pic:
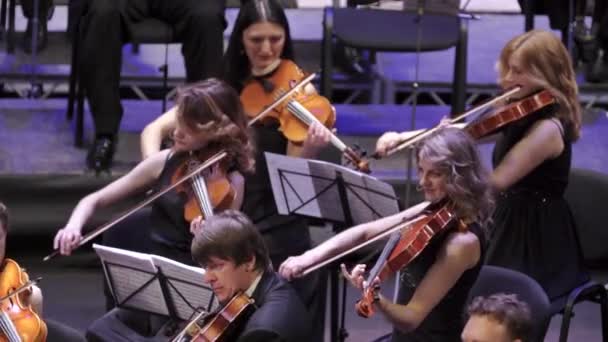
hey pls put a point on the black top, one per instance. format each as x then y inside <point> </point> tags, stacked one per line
<point>284,235</point>
<point>279,316</point>
<point>550,177</point>
<point>169,231</point>
<point>445,321</point>
<point>533,231</point>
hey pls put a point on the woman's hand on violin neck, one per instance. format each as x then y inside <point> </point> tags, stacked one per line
<point>317,138</point>
<point>67,239</point>
<point>387,141</point>
<point>355,276</point>
<point>196,225</point>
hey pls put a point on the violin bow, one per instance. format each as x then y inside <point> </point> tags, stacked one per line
<point>282,98</point>
<point>380,236</point>
<point>98,231</point>
<point>416,138</point>
<point>21,289</point>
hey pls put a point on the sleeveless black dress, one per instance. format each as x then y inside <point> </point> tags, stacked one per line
<point>445,322</point>
<point>533,230</point>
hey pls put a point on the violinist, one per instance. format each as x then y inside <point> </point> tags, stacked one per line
<point>236,259</point>
<point>31,299</point>
<point>209,119</point>
<point>260,43</point>
<point>533,231</point>
<point>434,286</point>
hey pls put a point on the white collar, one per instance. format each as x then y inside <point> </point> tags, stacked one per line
<point>253,285</point>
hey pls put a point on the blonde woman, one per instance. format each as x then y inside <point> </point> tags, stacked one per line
<point>435,285</point>
<point>532,229</point>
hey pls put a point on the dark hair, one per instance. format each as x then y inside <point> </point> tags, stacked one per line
<point>505,309</point>
<point>213,100</point>
<point>230,235</point>
<point>3,217</point>
<point>236,62</point>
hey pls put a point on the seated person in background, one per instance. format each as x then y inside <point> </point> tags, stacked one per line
<point>498,318</point>
<point>56,332</point>
<point>198,25</point>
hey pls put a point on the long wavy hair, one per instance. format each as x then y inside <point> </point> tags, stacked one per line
<point>236,64</point>
<point>454,154</point>
<point>546,61</point>
<point>213,100</point>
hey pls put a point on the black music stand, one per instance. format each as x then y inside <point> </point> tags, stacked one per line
<point>334,194</point>
<point>152,284</point>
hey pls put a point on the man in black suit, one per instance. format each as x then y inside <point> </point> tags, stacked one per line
<point>236,261</point>
<point>235,258</point>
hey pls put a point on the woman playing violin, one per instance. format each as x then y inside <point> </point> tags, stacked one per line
<point>435,285</point>
<point>259,44</point>
<point>209,119</point>
<point>532,228</point>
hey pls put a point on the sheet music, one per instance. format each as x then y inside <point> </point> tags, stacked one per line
<point>295,181</point>
<point>188,281</point>
<point>129,271</point>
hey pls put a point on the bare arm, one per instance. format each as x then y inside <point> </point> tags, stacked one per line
<point>460,252</point>
<point>543,141</point>
<point>294,266</point>
<point>154,133</point>
<point>144,174</point>
<point>238,183</point>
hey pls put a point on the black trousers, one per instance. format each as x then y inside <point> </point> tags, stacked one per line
<point>43,8</point>
<point>198,24</point>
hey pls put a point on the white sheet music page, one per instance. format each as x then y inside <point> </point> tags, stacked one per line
<point>186,287</point>
<point>129,271</point>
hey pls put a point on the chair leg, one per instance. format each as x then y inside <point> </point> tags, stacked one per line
<point>79,129</point>
<point>165,70</point>
<point>74,72</point>
<point>10,36</point>
<point>3,18</point>
<point>604,314</point>
<point>326,54</point>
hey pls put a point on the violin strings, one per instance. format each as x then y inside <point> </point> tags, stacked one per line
<point>8,328</point>
<point>202,195</point>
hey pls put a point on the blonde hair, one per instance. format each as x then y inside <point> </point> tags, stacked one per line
<point>454,153</point>
<point>547,63</point>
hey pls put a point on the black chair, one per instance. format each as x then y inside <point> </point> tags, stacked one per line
<point>147,31</point>
<point>587,195</point>
<point>379,30</point>
<point>493,279</point>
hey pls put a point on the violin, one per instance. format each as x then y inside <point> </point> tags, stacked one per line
<point>221,325</point>
<point>203,195</point>
<point>489,124</point>
<point>292,108</point>
<point>402,248</point>
<point>427,132</point>
<point>18,322</point>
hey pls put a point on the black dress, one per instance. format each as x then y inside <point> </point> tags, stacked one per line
<point>445,321</point>
<point>533,230</point>
<point>284,235</point>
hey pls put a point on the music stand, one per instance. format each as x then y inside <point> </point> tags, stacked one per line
<point>331,193</point>
<point>155,284</point>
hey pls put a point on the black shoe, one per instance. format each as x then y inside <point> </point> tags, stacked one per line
<point>101,154</point>
<point>41,39</point>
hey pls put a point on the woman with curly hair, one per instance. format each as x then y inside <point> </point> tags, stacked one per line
<point>210,118</point>
<point>435,285</point>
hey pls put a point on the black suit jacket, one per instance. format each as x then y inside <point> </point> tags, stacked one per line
<point>280,314</point>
